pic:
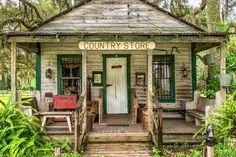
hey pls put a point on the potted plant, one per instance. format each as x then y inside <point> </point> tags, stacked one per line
<point>225,79</point>
<point>208,59</point>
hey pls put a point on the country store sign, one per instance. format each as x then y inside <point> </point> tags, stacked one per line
<point>116,45</point>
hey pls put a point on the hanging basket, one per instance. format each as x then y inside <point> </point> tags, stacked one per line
<point>225,79</point>
<point>208,59</point>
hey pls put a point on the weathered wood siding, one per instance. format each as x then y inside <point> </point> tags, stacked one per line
<point>117,16</point>
<point>183,86</point>
<point>49,54</point>
<point>95,63</point>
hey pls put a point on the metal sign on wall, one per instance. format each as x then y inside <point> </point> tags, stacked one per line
<point>116,45</point>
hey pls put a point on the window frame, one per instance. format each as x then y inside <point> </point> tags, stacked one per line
<point>59,69</point>
<point>172,98</point>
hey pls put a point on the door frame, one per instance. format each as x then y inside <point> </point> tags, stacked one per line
<point>105,56</point>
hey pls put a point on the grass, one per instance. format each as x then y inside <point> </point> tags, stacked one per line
<point>4,99</point>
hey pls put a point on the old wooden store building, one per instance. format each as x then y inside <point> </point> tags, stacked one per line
<point>109,65</point>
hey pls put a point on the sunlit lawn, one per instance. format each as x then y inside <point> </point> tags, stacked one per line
<point>4,99</point>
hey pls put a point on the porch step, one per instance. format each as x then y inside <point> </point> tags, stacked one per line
<point>182,138</point>
<point>173,115</point>
<point>117,137</point>
<point>118,149</point>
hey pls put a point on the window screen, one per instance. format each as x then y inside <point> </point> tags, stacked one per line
<point>163,78</point>
<point>70,75</point>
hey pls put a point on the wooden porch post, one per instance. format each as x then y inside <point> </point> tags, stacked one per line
<point>149,93</point>
<point>222,62</point>
<point>84,84</point>
<point>221,96</point>
<point>13,70</point>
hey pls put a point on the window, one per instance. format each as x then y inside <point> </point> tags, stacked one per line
<point>69,75</point>
<point>164,77</point>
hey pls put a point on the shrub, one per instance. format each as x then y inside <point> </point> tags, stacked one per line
<point>224,119</point>
<point>223,150</point>
<point>19,133</point>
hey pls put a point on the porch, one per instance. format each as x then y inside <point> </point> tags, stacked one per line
<point>174,131</point>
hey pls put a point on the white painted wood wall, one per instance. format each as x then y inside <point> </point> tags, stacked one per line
<point>138,60</point>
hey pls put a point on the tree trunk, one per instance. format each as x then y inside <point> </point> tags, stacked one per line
<point>213,14</point>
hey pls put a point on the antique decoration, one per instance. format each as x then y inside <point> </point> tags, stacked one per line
<point>97,78</point>
<point>49,73</point>
<point>140,79</point>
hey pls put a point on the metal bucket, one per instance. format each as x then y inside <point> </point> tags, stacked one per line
<point>208,59</point>
<point>225,79</point>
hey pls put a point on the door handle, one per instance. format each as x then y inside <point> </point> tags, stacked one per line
<point>108,85</point>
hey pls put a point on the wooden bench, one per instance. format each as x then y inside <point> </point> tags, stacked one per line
<point>197,109</point>
<point>66,115</point>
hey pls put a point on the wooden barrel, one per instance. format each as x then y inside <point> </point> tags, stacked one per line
<point>145,119</point>
<point>90,121</point>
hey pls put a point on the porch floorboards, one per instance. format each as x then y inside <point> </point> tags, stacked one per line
<point>117,129</point>
<point>179,126</point>
<point>170,126</point>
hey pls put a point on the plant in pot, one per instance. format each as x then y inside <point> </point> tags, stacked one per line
<point>225,79</point>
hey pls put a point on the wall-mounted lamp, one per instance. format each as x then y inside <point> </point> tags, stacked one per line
<point>174,50</point>
<point>184,71</point>
<point>49,73</point>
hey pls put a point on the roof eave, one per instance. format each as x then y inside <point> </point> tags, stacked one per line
<point>115,33</point>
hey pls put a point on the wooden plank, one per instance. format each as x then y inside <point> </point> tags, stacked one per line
<point>149,87</point>
<point>222,59</point>
<point>13,70</point>
<point>78,38</point>
<point>100,10</point>
<point>29,47</point>
<point>57,152</point>
<point>117,137</point>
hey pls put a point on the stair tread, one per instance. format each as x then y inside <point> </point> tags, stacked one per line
<point>115,149</point>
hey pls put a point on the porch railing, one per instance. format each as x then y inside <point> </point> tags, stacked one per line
<point>134,106</point>
<point>100,106</point>
<point>157,120</point>
<point>80,121</point>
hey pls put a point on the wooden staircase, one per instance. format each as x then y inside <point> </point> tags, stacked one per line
<point>118,144</point>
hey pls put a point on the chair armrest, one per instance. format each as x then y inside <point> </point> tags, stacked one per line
<point>28,110</point>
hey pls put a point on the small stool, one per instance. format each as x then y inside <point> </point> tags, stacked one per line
<point>67,115</point>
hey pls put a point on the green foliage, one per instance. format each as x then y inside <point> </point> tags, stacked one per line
<point>223,150</point>
<point>224,119</point>
<point>222,27</point>
<point>184,150</point>
<point>72,154</point>
<point>19,133</point>
<point>212,83</point>
<point>180,154</point>
<point>156,152</point>
<point>195,153</point>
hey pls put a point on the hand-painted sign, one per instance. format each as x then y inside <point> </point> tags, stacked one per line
<point>116,45</point>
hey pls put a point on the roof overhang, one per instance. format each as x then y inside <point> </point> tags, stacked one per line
<point>30,40</point>
<point>203,37</point>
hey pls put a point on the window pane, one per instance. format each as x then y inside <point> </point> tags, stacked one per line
<point>162,77</point>
<point>70,76</point>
